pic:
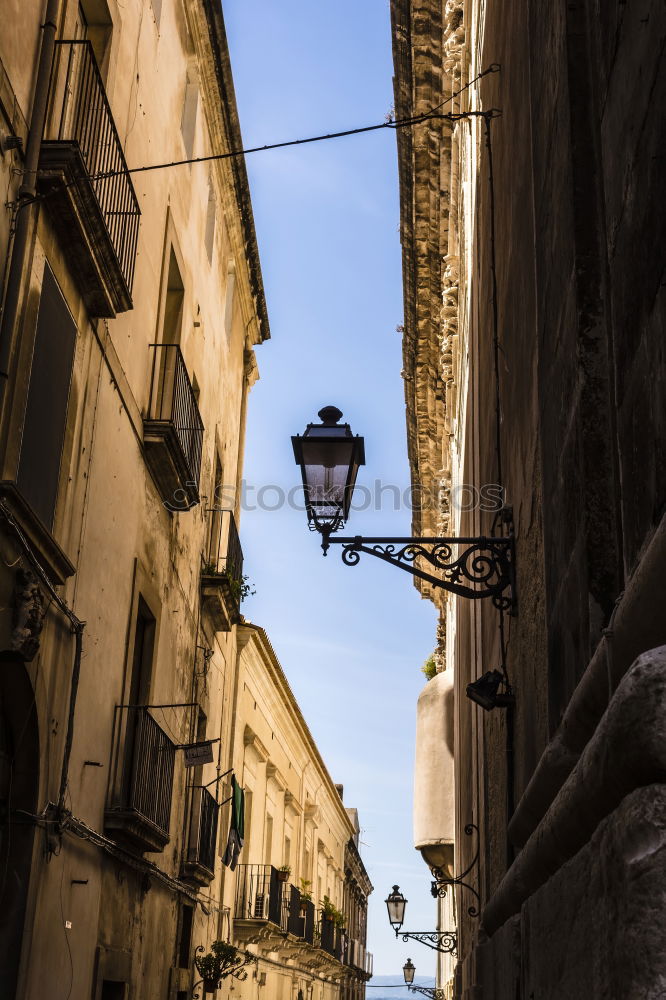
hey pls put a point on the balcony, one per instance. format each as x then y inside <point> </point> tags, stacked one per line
<point>258,896</point>
<point>222,575</point>
<point>198,866</point>
<point>83,174</point>
<point>358,958</point>
<point>173,430</point>
<point>272,913</point>
<point>141,781</point>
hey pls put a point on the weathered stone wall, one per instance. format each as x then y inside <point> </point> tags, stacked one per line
<point>579,219</point>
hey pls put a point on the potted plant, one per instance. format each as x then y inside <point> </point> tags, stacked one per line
<point>328,909</point>
<point>283,873</point>
<point>212,966</point>
<point>306,894</point>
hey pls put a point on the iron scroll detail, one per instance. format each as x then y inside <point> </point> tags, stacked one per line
<point>474,568</point>
<point>445,942</point>
<point>442,881</point>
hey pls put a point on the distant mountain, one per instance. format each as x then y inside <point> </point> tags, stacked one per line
<point>375,991</point>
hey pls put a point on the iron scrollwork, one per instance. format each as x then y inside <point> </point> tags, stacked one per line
<point>428,991</point>
<point>484,568</point>
<point>442,881</point>
<point>445,942</point>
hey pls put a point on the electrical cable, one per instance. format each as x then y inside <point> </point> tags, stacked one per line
<point>430,115</point>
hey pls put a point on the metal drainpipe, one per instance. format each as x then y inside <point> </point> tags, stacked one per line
<point>27,189</point>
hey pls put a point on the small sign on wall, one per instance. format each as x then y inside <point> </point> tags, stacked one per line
<point>198,753</point>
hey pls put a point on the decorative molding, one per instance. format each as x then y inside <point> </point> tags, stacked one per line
<point>252,741</point>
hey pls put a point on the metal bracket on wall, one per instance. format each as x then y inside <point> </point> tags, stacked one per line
<point>484,568</point>
<point>445,942</point>
<point>442,881</point>
<point>428,991</point>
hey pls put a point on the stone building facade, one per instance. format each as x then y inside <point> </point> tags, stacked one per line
<point>132,304</point>
<point>563,787</point>
<point>297,829</point>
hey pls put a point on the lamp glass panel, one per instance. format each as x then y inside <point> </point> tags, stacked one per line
<point>408,970</point>
<point>396,909</point>
<point>326,468</point>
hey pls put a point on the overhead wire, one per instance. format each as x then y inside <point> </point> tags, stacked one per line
<point>429,115</point>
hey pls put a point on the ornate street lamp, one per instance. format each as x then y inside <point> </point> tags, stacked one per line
<point>443,941</point>
<point>395,904</point>
<point>408,970</point>
<point>329,456</point>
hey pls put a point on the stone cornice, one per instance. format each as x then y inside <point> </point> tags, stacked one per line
<point>225,107</point>
<point>250,739</point>
<point>428,36</point>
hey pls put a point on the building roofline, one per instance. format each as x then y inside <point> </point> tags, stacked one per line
<point>229,110</point>
<point>264,643</point>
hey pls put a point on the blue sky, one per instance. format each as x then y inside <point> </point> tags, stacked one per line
<point>351,640</point>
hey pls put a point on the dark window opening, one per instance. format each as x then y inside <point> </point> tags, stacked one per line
<point>185,936</point>
<point>113,990</point>
<point>46,408</point>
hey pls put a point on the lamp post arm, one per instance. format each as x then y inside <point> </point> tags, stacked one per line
<point>445,942</point>
<point>428,991</point>
<point>484,567</point>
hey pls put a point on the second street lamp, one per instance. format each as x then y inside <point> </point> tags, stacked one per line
<point>408,971</point>
<point>445,942</point>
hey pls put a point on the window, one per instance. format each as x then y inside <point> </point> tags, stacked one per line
<point>216,516</point>
<point>142,660</point>
<point>247,842</point>
<point>172,320</point>
<point>210,220</point>
<point>268,839</point>
<point>184,947</point>
<point>287,851</point>
<point>46,408</point>
<point>95,24</point>
<point>113,990</point>
<point>188,122</point>
<point>139,692</point>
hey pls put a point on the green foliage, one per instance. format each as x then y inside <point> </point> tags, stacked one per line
<point>238,588</point>
<point>220,957</point>
<point>285,868</point>
<point>306,889</point>
<point>429,668</point>
<point>329,909</point>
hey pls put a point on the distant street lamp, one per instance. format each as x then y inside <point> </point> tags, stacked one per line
<point>408,970</point>
<point>445,942</point>
<point>329,456</point>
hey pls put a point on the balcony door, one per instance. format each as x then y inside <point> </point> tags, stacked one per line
<point>45,419</point>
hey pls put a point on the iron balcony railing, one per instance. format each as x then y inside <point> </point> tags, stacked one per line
<point>149,764</point>
<point>225,553</point>
<point>202,836</point>
<point>258,894</point>
<point>82,115</point>
<point>173,402</point>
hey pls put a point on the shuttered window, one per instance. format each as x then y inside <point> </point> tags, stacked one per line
<point>46,409</point>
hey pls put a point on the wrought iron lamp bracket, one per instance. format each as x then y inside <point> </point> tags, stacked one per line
<point>442,881</point>
<point>428,991</point>
<point>445,942</point>
<point>484,567</point>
